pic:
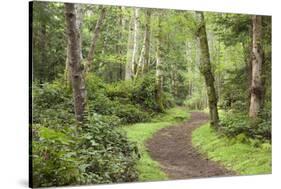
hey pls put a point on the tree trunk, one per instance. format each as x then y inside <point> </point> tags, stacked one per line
<point>146,41</point>
<point>95,37</point>
<point>74,59</point>
<point>159,74</point>
<point>79,22</point>
<point>67,71</point>
<point>140,63</point>
<point>205,69</point>
<point>247,48</point>
<point>129,66</point>
<point>143,62</point>
<point>135,46</point>
<point>257,61</point>
<point>43,58</point>
<point>120,47</point>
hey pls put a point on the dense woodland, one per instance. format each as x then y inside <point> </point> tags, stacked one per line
<point>96,68</point>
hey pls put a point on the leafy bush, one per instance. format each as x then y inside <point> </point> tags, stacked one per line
<point>103,105</point>
<point>52,101</point>
<point>95,87</point>
<point>49,95</point>
<point>52,158</point>
<point>121,91</point>
<point>233,124</point>
<point>94,153</point>
<point>66,154</point>
<point>112,156</point>
<point>144,93</point>
<point>131,114</point>
<point>169,101</point>
<point>115,99</point>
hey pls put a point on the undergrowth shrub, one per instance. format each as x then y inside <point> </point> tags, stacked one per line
<point>64,153</point>
<point>140,93</point>
<point>51,100</point>
<point>233,124</point>
<point>49,95</point>
<point>144,93</point>
<point>131,114</point>
<point>117,100</point>
<point>92,154</point>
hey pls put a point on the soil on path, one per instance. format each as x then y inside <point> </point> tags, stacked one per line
<point>172,148</point>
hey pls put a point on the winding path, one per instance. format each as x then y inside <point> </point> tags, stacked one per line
<point>172,148</point>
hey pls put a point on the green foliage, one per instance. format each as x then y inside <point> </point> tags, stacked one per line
<point>66,154</point>
<point>140,92</point>
<point>235,154</point>
<point>48,41</point>
<point>95,153</point>
<point>131,114</point>
<point>52,102</point>
<point>52,159</point>
<point>144,93</point>
<point>236,81</point>
<point>115,100</point>
<point>121,91</point>
<point>195,102</point>
<point>236,124</point>
<point>131,101</point>
<point>50,94</point>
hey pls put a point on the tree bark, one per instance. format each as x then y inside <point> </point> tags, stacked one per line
<point>120,47</point>
<point>95,37</point>
<point>159,73</point>
<point>79,22</point>
<point>135,46</point>
<point>205,69</point>
<point>43,58</point>
<point>146,41</point>
<point>247,48</point>
<point>67,71</point>
<point>129,66</point>
<point>257,61</point>
<point>142,66</point>
<point>74,59</point>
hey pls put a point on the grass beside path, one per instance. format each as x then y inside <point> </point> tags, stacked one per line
<point>241,157</point>
<point>149,170</point>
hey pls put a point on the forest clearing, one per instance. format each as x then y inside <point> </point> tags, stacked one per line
<point>127,94</point>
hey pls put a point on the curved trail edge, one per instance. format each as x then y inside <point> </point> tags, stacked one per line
<point>172,148</point>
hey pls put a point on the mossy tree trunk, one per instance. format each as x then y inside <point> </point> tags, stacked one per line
<point>132,45</point>
<point>206,70</point>
<point>146,41</point>
<point>257,62</point>
<point>74,60</point>
<point>142,66</point>
<point>159,66</point>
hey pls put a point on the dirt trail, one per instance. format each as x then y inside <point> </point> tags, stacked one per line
<point>172,148</point>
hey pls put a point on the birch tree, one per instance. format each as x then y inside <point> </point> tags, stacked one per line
<point>159,73</point>
<point>132,45</point>
<point>144,55</point>
<point>74,60</point>
<point>79,22</point>
<point>257,61</point>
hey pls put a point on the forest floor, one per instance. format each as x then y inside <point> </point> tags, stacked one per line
<point>149,169</point>
<point>172,148</point>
